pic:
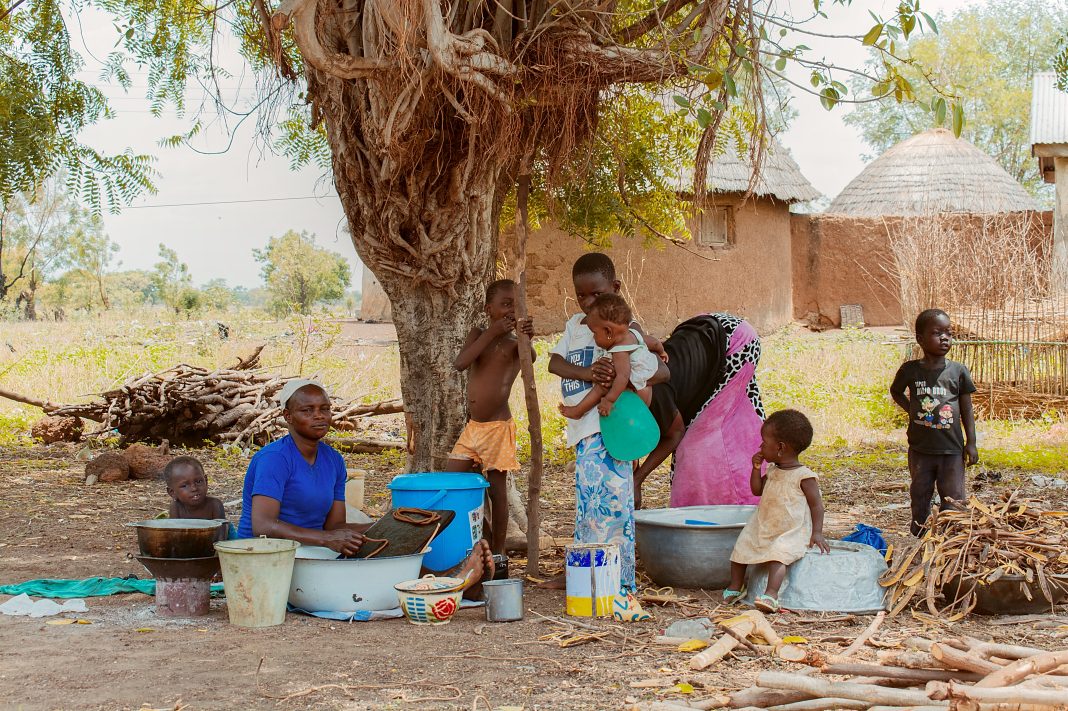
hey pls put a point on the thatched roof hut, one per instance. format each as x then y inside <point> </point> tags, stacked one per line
<point>932,172</point>
<point>780,177</point>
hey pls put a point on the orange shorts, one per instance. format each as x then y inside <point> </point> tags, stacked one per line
<point>490,445</point>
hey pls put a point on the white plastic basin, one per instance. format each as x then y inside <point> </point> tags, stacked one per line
<point>323,583</point>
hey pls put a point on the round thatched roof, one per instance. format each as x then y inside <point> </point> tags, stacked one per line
<point>932,172</point>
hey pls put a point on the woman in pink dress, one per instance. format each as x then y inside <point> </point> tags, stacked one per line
<point>709,412</point>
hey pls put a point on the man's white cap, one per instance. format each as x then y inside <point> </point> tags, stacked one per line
<point>296,384</point>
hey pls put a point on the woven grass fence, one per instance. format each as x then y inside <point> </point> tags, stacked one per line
<point>993,276</point>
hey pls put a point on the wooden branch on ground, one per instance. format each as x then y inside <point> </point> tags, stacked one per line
<point>865,635</point>
<point>843,689</point>
<point>888,672</point>
<point>27,400</point>
<point>366,446</point>
<point>1013,673</point>
<point>951,690</point>
<point>955,658</point>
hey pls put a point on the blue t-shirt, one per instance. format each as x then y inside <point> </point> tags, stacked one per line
<point>305,492</point>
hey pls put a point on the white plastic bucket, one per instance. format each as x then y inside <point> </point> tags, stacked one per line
<point>354,488</point>
<point>256,574</point>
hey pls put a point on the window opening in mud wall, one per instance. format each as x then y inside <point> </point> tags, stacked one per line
<point>714,227</point>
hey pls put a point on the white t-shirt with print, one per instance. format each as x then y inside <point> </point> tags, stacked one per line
<point>577,347</point>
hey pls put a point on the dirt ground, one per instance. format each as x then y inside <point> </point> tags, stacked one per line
<point>51,525</point>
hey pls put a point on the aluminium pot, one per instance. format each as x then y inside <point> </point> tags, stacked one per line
<point>179,537</point>
<point>689,555</point>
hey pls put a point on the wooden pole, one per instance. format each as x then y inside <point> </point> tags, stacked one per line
<point>43,404</point>
<point>526,368</point>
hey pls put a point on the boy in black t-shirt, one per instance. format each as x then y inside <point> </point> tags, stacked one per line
<point>939,402</point>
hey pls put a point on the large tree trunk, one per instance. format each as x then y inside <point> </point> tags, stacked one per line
<point>424,219</point>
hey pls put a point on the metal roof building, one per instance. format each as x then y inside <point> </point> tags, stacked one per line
<point>1049,123</point>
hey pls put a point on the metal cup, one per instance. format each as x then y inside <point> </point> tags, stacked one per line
<point>504,600</point>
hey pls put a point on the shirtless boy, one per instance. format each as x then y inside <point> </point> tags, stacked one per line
<point>487,444</point>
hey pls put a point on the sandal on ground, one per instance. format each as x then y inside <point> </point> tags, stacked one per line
<point>766,603</point>
<point>730,597</point>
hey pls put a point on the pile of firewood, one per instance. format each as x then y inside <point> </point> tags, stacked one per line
<point>948,674</point>
<point>979,545</point>
<point>190,406</point>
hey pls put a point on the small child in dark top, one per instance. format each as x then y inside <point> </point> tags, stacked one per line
<point>941,430</point>
<point>187,484</point>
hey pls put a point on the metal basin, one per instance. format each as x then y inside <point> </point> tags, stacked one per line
<point>1005,596</point>
<point>179,537</point>
<point>322,582</point>
<point>694,555</point>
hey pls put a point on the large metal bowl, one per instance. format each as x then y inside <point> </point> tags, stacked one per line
<point>694,555</point>
<point>179,537</point>
<point>1006,596</point>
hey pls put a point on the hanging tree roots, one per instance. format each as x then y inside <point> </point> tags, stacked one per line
<point>189,406</point>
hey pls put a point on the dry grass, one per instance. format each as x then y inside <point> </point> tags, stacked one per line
<point>993,277</point>
<point>839,378</point>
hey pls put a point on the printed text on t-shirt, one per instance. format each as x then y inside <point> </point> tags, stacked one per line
<point>582,357</point>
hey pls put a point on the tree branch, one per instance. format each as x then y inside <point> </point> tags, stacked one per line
<point>302,14</point>
<point>653,19</point>
<point>11,8</point>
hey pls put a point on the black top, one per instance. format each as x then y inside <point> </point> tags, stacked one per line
<point>934,405</point>
<point>697,354</point>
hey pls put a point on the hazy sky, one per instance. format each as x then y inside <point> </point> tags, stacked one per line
<point>217,240</point>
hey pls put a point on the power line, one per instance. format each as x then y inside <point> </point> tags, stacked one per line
<point>230,202</point>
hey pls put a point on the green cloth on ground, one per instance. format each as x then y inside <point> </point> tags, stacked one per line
<point>90,587</point>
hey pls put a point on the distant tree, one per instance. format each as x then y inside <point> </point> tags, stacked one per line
<point>36,234</point>
<point>298,274</point>
<point>1060,63</point>
<point>987,54</point>
<point>92,251</point>
<point>216,295</point>
<point>172,284</point>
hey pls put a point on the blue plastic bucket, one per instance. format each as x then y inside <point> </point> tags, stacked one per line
<point>461,492</point>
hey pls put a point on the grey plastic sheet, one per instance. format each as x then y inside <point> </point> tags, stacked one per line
<point>844,580</point>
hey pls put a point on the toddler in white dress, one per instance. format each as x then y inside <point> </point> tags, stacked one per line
<point>789,518</point>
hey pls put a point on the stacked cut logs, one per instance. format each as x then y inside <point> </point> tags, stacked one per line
<point>189,406</point>
<point>963,674</point>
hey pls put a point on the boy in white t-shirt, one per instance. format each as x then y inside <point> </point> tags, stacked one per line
<point>604,487</point>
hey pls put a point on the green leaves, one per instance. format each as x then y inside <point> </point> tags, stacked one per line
<point>873,35</point>
<point>300,274</point>
<point>958,119</point>
<point>939,106</point>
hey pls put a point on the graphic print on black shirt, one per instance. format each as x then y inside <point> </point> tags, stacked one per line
<point>934,405</point>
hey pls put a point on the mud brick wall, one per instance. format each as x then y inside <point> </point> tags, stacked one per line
<point>665,283</point>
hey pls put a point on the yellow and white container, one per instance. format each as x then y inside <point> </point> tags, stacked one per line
<point>592,575</point>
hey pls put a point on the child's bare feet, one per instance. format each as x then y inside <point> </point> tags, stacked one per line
<point>477,567</point>
<point>571,412</point>
<point>557,583</point>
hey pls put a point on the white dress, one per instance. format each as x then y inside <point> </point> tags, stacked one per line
<point>782,525</point>
<point>643,362</point>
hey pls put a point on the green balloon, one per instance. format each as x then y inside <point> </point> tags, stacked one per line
<point>630,432</point>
